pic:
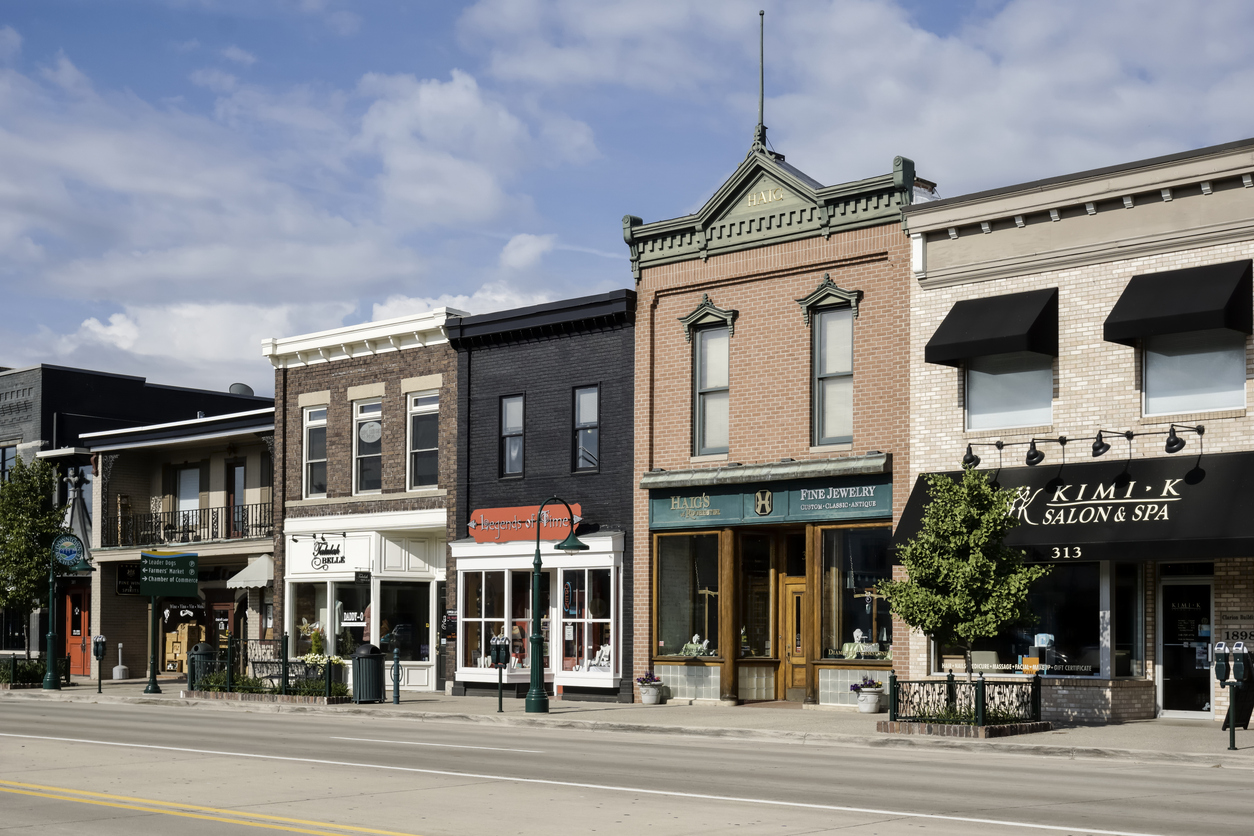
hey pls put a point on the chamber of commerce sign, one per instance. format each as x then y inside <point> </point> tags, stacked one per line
<point>808,500</point>
<point>503,525</point>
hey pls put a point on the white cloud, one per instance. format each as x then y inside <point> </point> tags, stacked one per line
<point>495,296</point>
<point>524,250</point>
<point>213,80</point>
<point>65,75</point>
<point>190,45</point>
<point>239,56</point>
<point>10,45</point>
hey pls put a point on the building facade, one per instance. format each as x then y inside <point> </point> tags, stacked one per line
<point>1087,340</point>
<point>772,455</point>
<point>365,433</point>
<point>546,400</point>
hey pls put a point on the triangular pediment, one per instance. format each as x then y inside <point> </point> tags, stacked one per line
<point>760,185</point>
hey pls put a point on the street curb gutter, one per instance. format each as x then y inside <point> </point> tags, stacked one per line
<point>714,732</point>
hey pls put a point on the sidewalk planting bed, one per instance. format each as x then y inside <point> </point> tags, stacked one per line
<point>964,730</point>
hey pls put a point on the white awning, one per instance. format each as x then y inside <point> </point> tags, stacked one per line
<point>256,574</point>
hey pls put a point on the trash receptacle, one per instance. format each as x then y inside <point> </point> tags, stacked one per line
<point>198,659</point>
<point>368,674</point>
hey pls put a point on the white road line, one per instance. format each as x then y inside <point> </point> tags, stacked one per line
<point>441,745</point>
<point>669,793</point>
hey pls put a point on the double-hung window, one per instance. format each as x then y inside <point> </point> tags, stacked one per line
<point>587,428</point>
<point>367,446</point>
<point>712,391</point>
<point>1196,371</point>
<point>424,440</point>
<point>833,376</point>
<point>8,458</point>
<point>512,417</point>
<point>316,452</point>
<point>1010,390</point>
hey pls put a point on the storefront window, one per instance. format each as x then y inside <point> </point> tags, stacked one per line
<point>405,620</point>
<point>755,596</point>
<point>1064,641</point>
<point>310,617</point>
<point>687,583</point>
<point>1129,619</point>
<point>587,600</point>
<point>520,617</point>
<point>484,605</point>
<point>856,622</point>
<point>352,616</point>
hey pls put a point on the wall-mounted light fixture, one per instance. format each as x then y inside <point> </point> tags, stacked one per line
<point>1174,444</point>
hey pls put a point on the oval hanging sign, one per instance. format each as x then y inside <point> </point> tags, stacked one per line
<point>67,549</point>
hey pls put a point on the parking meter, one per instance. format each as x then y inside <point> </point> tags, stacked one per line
<point>1240,663</point>
<point>1221,662</point>
<point>500,659</point>
<point>98,652</point>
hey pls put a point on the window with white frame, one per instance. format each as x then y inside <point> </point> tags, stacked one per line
<point>316,452</point>
<point>1197,371</point>
<point>513,410</point>
<point>833,376</point>
<point>1010,390</point>
<point>367,446</point>
<point>712,390</point>
<point>424,440</point>
<point>587,620</point>
<point>587,428</point>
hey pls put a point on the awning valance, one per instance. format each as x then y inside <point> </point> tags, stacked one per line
<point>1005,324</point>
<point>259,573</point>
<point>1177,301</point>
<point>1179,508</point>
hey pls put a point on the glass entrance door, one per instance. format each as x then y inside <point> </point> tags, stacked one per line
<point>1186,643</point>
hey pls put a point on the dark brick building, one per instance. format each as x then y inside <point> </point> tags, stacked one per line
<point>545,404</point>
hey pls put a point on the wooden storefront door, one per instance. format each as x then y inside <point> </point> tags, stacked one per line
<point>77,631</point>
<point>795,622</point>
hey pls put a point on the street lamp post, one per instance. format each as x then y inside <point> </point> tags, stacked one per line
<point>67,550</point>
<point>537,699</point>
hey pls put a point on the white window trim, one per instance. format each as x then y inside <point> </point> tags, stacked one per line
<point>816,378</point>
<point>306,425</point>
<point>575,428</point>
<point>357,405</point>
<point>698,412</point>
<point>414,409</point>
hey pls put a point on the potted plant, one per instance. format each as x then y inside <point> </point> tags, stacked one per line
<point>650,688</point>
<point>869,691</point>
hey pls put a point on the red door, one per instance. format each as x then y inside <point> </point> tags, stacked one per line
<point>77,630</point>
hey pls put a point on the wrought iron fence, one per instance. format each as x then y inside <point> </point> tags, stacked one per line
<point>951,700</point>
<point>16,671</point>
<point>261,666</point>
<point>166,527</point>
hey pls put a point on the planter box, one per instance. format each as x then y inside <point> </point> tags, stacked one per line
<point>288,699</point>
<point>4,686</point>
<point>950,730</point>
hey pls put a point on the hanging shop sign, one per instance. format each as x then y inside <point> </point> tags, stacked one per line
<point>169,573</point>
<point>1143,509</point>
<point>804,500</point>
<point>504,525</point>
<point>128,578</point>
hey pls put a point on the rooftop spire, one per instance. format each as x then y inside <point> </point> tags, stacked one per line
<point>759,133</point>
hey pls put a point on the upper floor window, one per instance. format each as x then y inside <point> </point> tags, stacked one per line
<point>712,391</point>
<point>1010,390</point>
<point>1196,371</point>
<point>833,376</point>
<point>316,452</point>
<point>8,458</point>
<point>587,428</point>
<point>424,440</point>
<point>512,409</point>
<point>367,446</point>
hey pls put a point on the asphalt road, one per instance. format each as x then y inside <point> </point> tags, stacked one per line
<point>127,770</point>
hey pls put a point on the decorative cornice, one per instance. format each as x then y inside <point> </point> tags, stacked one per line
<point>363,340</point>
<point>871,463</point>
<point>828,293</point>
<point>705,313</point>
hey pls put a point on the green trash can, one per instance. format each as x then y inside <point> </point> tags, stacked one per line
<point>199,663</point>
<point>368,674</point>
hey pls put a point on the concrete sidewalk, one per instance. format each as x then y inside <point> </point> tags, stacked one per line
<point>1195,741</point>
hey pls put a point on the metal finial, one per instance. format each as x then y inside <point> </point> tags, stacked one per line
<point>759,135</point>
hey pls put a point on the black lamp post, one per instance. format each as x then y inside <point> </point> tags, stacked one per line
<point>537,699</point>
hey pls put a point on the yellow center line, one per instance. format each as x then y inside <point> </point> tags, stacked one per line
<point>152,806</point>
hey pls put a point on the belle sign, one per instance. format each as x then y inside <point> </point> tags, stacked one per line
<point>502,525</point>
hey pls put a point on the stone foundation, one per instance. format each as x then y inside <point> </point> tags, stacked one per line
<point>1095,701</point>
<point>947,730</point>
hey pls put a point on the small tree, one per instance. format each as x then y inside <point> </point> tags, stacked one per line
<point>962,582</point>
<point>29,521</point>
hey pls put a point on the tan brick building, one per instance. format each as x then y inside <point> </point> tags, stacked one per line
<point>772,455</point>
<point>1118,302</point>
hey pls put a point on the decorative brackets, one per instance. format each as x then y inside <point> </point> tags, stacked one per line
<point>707,312</point>
<point>828,293</point>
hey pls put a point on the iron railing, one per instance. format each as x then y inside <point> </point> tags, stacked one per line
<point>15,671</point>
<point>951,700</point>
<point>168,527</point>
<point>261,666</point>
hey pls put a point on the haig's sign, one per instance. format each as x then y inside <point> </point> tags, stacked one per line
<point>803,500</point>
<point>503,525</point>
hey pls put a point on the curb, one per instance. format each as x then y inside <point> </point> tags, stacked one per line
<point>712,732</point>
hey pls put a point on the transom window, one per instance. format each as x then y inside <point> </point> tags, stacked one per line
<point>712,391</point>
<point>1196,371</point>
<point>424,440</point>
<point>833,376</point>
<point>316,452</point>
<point>512,418</point>
<point>587,428</point>
<point>367,447</point>
<point>1010,390</point>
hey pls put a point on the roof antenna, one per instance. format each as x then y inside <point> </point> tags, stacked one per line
<point>759,133</point>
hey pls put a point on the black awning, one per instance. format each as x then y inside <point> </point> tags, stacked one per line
<point>997,325</point>
<point>1179,508</point>
<point>1175,301</point>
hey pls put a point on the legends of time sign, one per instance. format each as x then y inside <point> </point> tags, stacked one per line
<point>798,501</point>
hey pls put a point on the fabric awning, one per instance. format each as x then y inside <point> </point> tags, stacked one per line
<point>259,573</point>
<point>1175,301</point>
<point>1183,507</point>
<point>1014,322</point>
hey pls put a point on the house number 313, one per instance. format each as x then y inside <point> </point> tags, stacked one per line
<point>1066,552</point>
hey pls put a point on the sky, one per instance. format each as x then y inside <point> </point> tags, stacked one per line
<point>180,179</point>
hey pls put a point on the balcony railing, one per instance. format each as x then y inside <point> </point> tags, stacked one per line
<point>176,527</point>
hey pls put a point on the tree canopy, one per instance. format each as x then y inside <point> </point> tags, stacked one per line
<point>29,521</point>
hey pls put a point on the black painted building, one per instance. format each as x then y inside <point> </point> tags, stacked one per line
<point>545,409</point>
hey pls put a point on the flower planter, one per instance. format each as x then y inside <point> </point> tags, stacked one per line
<point>651,694</point>
<point>870,701</point>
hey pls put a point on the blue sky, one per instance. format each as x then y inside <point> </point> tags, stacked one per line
<point>181,178</point>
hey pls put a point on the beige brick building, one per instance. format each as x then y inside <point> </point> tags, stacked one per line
<point>1117,301</point>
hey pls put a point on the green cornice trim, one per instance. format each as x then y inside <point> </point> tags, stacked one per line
<point>828,293</point>
<point>705,313</point>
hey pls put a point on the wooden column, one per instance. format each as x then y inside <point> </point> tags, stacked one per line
<point>728,634</point>
<point>814,589</point>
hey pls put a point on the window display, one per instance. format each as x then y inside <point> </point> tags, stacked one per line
<point>755,596</point>
<point>687,594</point>
<point>1129,619</point>
<point>587,601</point>
<point>310,613</point>
<point>483,616</point>
<point>352,617</point>
<point>856,622</point>
<point>405,620</point>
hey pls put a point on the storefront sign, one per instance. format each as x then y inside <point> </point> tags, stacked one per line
<point>169,573</point>
<point>330,554</point>
<point>503,525</point>
<point>326,555</point>
<point>807,500</point>
<point>68,550</point>
<point>1145,509</point>
<point>128,579</point>
<point>361,577</point>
